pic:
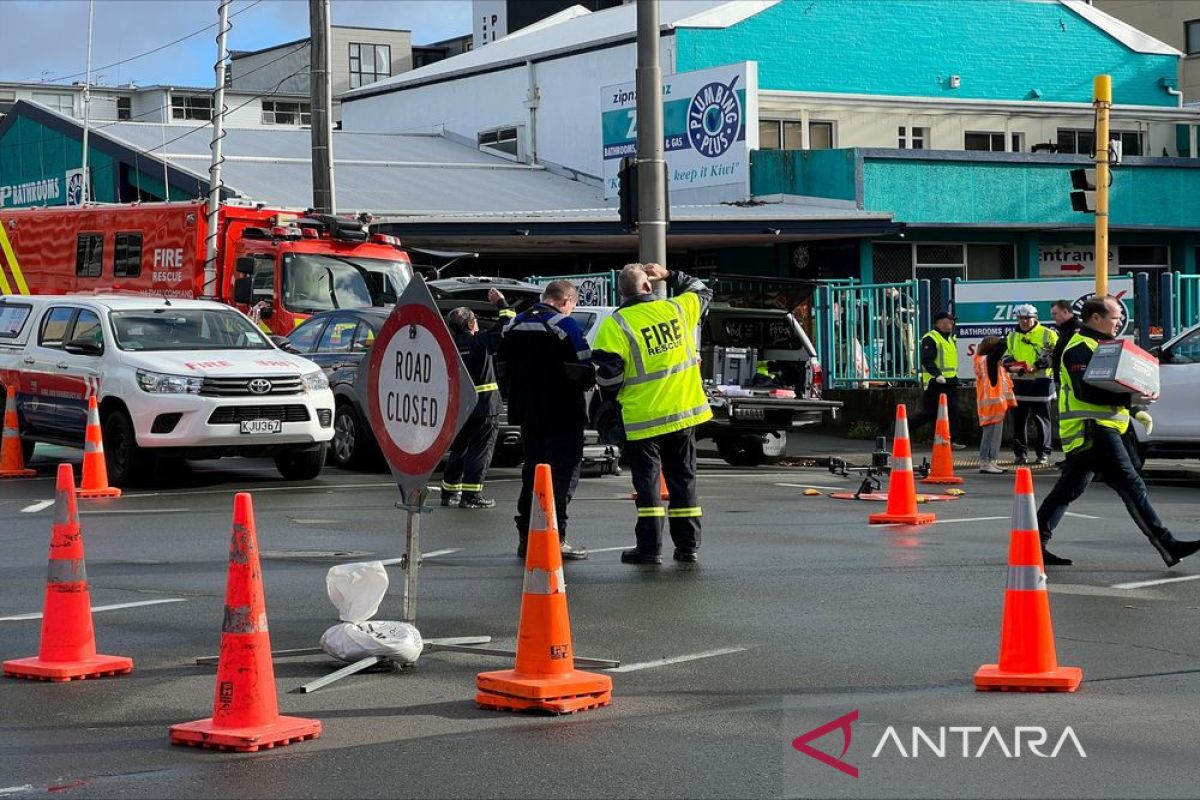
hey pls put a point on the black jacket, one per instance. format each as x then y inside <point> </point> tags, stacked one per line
<point>477,351</point>
<point>1065,331</point>
<point>548,367</point>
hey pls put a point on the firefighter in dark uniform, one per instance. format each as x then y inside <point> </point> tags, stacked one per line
<point>647,360</point>
<point>1091,424</point>
<point>548,367</point>
<point>471,452</point>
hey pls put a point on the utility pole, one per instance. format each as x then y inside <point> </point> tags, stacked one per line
<point>321,94</point>
<point>86,194</point>
<point>651,166</point>
<point>1102,100</point>
<point>209,290</point>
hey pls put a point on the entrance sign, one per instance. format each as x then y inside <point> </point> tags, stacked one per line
<point>418,391</point>
<point>988,308</point>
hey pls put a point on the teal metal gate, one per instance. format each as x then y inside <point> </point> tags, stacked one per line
<point>869,332</point>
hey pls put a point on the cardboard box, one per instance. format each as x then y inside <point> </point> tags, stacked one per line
<point>1122,366</point>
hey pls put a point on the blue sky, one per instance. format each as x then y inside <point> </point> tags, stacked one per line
<point>47,39</point>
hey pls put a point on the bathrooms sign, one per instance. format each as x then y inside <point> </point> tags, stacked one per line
<point>710,124</point>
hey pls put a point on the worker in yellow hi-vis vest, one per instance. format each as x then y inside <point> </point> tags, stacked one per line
<point>1028,359</point>
<point>647,360</point>
<point>939,375</point>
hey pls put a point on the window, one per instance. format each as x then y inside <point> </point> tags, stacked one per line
<point>56,101</point>
<point>820,135</point>
<point>89,255</point>
<point>937,261</point>
<point>369,63</point>
<point>124,108</point>
<point>304,337</point>
<point>7,100</point>
<point>87,326</point>
<point>280,112</point>
<point>768,134</point>
<point>1191,35</point>
<point>1071,140</point>
<point>55,326</point>
<point>993,142</point>
<point>263,279</point>
<point>912,138</point>
<point>338,336</point>
<point>501,140</point>
<point>12,319</point>
<point>127,255</point>
<point>364,337</point>
<point>191,106</point>
<point>1186,350</point>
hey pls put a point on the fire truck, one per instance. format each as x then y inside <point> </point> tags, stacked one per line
<point>278,266</point>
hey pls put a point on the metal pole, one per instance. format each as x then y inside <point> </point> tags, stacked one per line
<point>214,168</point>
<point>321,95</point>
<point>412,538</point>
<point>87,107</point>
<point>1102,92</point>
<point>1166,304</point>
<point>1141,305</point>
<point>652,173</point>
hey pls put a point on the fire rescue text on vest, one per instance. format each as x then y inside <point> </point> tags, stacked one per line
<point>662,336</point>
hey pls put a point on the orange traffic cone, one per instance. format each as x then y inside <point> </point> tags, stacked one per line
<point>12,462</point>
<point>1028,661</point>
<point>902,489</point>
<point>662,488</point>
<point>68,647</point>
<point>95,470</point>
<point>245,709</point>
<point>545,677</point>
<point>942,468</point>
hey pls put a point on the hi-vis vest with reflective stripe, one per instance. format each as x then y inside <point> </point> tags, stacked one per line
<point>1074,413</point>
<point>947,355</point>
<point>1029,347</point>
<point>662,391</point>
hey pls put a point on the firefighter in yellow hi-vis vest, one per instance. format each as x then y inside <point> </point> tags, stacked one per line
<point>1028,359</point>
<point>1091,422</point>
<point>647,359</point>
<point>939,375</point>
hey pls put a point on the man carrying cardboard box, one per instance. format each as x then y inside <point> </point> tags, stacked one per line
<point>1091,422</point>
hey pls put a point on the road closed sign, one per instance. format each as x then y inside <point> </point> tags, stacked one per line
<point>418,392</point>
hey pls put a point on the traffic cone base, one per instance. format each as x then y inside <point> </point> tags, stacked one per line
<point>560,705</point>
<point>900,519</point>
<point>37,669</point>
<point>92,494</point>
<point>283,731</point>
<point>943,481</point>
<point>990,678</point>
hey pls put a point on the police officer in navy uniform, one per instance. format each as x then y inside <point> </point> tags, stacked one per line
<point>471,452</point>
<point>548,367</point>
<point>939,375</point>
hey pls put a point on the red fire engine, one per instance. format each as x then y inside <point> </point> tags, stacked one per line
<point>278,266</point>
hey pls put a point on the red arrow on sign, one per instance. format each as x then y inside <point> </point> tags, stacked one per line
<point>1071,267</point>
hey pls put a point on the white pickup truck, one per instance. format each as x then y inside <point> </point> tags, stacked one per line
<point>173,378</point>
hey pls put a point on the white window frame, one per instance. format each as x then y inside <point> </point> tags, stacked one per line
<point>299,109</point>
<point>780,138</point>
<point>1013,139</point>
<point>519,132</point>
<point>360,76</point>
<point>833,130</point>
<point>185,108</point>
<point>62,102</point>
<point>907,137</point>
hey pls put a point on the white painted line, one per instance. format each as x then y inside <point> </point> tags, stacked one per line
<point>608,549</point>
<point>1082,516</point>
<point>329,488</point>
<point>14,789</point>
<point>138,604</point>
<point>433,554</point>
<point>300,521</point>
<point>939,522</point>
<point>810,486</point>
<point>36,507</point>
<point>664,662</point>
<point>90,513</point>
<point>1159,582</point>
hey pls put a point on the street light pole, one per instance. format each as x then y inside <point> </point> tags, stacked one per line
<point>651,164</point>
<point>1102,100</point>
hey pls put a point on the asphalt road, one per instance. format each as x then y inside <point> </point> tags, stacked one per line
<point>798,614</point>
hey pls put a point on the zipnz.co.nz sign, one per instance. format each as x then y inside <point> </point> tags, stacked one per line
<point>710,124</point>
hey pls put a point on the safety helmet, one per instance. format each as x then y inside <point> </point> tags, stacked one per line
<point>1026,310</point>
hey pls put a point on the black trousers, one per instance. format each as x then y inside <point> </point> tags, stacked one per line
<point>561,448</point>
<point>674,455</point>
<point>1109,458</point>
<point>929,406</point>
<point>469,456</point>
<point>1039,413</point>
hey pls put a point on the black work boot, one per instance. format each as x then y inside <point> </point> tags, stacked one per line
<point>476,501</point>
<point>635,556</point>
<point>451,498</point>
<point>1172,550</point>
<point>1051,560</point>
<point>685,555</point>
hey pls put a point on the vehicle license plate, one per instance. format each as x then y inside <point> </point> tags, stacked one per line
<point>262,425</point>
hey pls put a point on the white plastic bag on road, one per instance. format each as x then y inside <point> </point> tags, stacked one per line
<point>357,590</point>
<point>354,641</point>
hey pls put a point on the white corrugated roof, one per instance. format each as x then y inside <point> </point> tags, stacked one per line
<point>571,31</point>
<point>1136,40</point>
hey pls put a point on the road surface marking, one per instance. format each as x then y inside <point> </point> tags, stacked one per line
<point>939,522</point>
<point>38,615</point>
<point>89,512</point>
<point>14,789</point>
<point>36,507</point>
<point>609,549</point>
<point>1082,516</point>
<point>810,486</point>
<point>663,662</point>
<point>433,554</point>
<point>1159,582</point>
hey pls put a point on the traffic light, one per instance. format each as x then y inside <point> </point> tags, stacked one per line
<point>1083,184</point>
<point>627,193</point>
